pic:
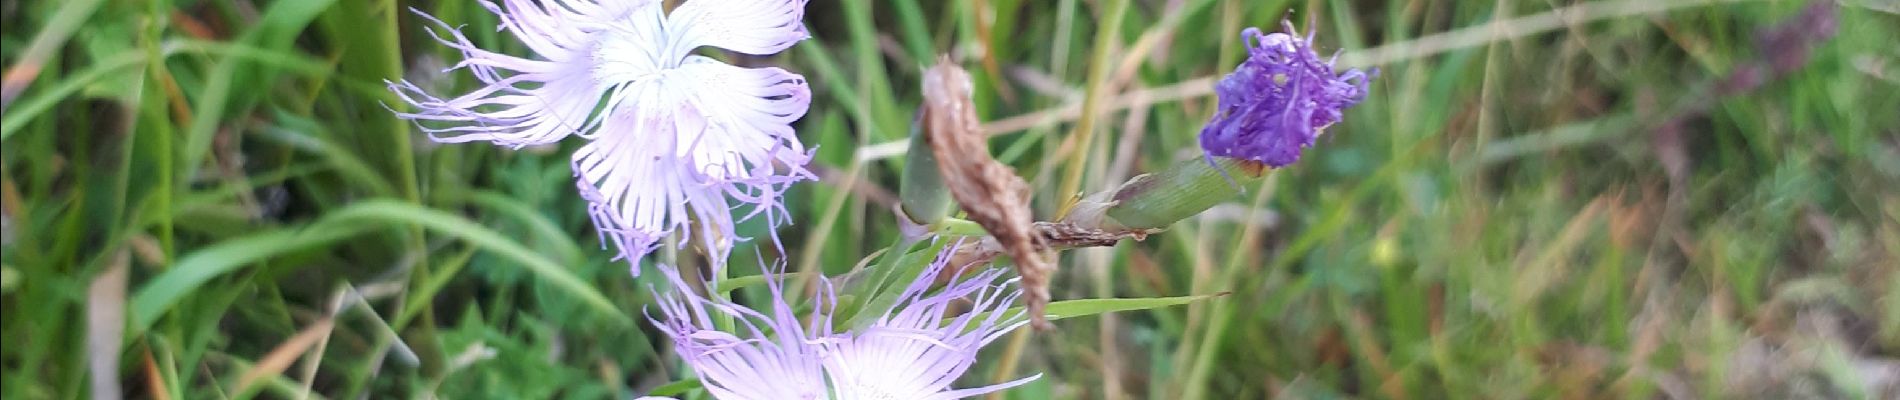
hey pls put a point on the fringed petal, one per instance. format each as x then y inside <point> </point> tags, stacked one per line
<point>525,102</point>
<point>737,131</point>
<point>747,26</point>
<point>641,185</point>
<point>676,140</point>
<point>735,367</point>
<point>916,350</point>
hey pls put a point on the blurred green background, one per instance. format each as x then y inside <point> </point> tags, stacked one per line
<point>1541,199</point>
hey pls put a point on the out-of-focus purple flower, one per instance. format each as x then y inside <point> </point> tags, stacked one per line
<point>674,138</point>
<point>914,350</point>
<point>1274,104</point>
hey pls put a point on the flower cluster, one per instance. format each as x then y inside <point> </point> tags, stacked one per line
<point>1276,102</point>
<point>676,143</point>
<point>673,138</point>
<point>914,350</point>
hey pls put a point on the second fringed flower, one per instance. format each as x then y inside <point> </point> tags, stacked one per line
<point>914,350</point>
<point>673,137</point>
<point>1274,104</point>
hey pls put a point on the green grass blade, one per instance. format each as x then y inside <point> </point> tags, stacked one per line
<point>396,212</point>
<point>194,269</point>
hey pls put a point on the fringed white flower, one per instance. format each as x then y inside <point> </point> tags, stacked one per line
<point>916,349</point>
<point>773,360</point>
<point>674,139</point>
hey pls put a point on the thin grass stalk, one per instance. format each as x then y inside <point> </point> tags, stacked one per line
<point>1222,314</point>
<point>1107,38</point>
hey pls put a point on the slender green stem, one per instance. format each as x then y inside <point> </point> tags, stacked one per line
<point>1105,39</point>
<point>1220,315</point>
<point>721,321</point>
<point>157,72</point>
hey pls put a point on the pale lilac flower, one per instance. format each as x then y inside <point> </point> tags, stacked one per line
<point>1276,102</point>
<point>914,350</point>
<point>674,139</point>
<point>775,360</point>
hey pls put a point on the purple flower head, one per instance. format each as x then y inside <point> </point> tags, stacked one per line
<point>674,139</point>
<point>1274,104</point>
<point>914,350</point>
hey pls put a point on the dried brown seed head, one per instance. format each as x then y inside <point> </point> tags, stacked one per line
<point>988,191</point>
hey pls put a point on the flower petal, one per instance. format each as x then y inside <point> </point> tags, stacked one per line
<point>913,351</point>
<point>735,367</point>
<point>638,187</point>
<point>525,102</point>
<point>675,148</point>
<point>745,112</point>
<point>559,29</point>
<point>982,390</point>
<point>747,26</point>
<point>736,130</point>
<point>1276,102</point>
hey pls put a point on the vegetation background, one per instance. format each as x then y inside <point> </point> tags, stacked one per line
<point>1541,199</point>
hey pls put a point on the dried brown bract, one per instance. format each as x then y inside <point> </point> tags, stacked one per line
<point>988,191</point>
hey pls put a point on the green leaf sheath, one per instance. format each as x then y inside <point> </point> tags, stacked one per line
<point>1187,188</point>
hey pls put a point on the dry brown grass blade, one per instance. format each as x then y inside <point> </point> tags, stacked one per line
<point>280,358</point>
<point>987,190</point>
<point>985,16</point>
<point>1549,266</point>
<point>154,382</point>
<point>105,326</point>
<point>44,47</point>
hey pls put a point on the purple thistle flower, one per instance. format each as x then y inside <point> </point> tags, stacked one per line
<point>914,350</point>
<point>673,137</point>
<point>1274,104</point>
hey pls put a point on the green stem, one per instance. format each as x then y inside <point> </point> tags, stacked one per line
<point>1187,188</point>
<point>1099,68</point>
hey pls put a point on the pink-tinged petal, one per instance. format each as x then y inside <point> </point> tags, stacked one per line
<point>913,351</point>
<point>634,50</point>
<point>525,102</point>
<point>747,26</point>
<point>677,142</point>
<point>641,185</point>
<point>747,113</point>
<point>736,129</point>
<point>981,390</point>
<point>692,144</point>
<point>627,243</point>
<point>562,26</point>
<point>916,350</point>
<point>771,360</point>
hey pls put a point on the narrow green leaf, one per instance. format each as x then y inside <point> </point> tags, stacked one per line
<point>677,388</point>
<point>442,222</point>
<point>193,270</point>
<point>731,284</point>
<point>1086,307</point>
